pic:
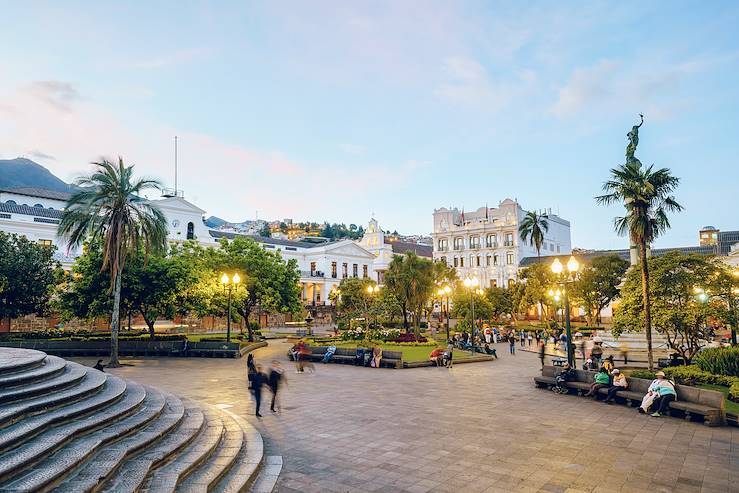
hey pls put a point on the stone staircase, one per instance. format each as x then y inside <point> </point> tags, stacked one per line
<point>69,428</point>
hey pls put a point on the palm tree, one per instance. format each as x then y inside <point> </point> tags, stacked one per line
<point>108,206</point>
<point>532,228</point>
<point>647,197</point>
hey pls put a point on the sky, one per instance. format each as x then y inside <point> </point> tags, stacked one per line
<point>335,110</point>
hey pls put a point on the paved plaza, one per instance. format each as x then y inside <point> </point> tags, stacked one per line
<point>476,428</point>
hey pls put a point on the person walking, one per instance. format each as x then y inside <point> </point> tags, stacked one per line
<point>276,377</point>
<point>251,369</point>
<point>257,381</point>
<point>512,343</point>
<point>530,338</point>
<point>522,337</point>
<point>542,347</point>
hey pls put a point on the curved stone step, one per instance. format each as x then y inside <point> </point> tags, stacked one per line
<point>101,466</point>
<point>30,426</point>
<point>166,478</point>
<point>69,377</point>
<point>92,382</point>
<point>132,473</point>
<point>247,465</point>
<point>13,360</point>
<point>220,463</point>
<point>52,366</point>
<point>14,461</point>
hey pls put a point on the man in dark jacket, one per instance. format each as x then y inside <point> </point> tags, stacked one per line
<point>276,378</point>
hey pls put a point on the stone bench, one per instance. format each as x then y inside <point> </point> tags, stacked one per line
<point>691,401</point>
<point>390,359</point>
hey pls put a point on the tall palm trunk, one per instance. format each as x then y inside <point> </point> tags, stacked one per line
<point>115,322</point>
<point>647,301</point>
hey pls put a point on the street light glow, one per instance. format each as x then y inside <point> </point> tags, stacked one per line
<point>572,264</point>
<point>224,278</point>
<point>557,266</point>
<point>236,278</point>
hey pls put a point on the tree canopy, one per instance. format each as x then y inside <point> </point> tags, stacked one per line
<point>597,285</point>
<point>27,276</point>
<point>677,309</point>
<point>411,279</point>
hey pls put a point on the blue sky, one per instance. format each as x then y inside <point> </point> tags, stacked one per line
<point>334,110</point>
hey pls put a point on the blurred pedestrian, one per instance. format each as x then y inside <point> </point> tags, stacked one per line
<point>276,378</point>
<point>512,342</point>
<point>542,347</point>
<point>99,365</point>
<point>257,381</point>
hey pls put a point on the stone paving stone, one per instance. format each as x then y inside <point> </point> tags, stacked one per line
<point>479,427</point>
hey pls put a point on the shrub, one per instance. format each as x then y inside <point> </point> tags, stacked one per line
<point>408,338</point>
<point>645,374</point>
<point>721,361</point>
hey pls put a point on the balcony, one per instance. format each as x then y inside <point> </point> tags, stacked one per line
<point>491,245</point>
<point>508,244</point>
<point>311,273</point>
<point>458,248</point>
<point>442,249</point>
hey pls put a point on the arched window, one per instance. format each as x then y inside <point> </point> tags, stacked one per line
<point>190,231</point>
<point>10,202</point>
<point>38,206</point>
<point>458,243</point>
<point>511,283</point>
<point>474,242</point>
<point>491,241</point>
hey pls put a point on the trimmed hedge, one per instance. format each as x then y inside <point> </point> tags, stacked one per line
<point>721,361</point>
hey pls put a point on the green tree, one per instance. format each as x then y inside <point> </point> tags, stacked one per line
<point>355,301</point>
<point>647,196</point>
<point>84,294</point>
<point>726,288</point>
<point>531,290</point>
<point>532,228</point>
<point>501,302</point>
<point>598,284</point>
<point>27,276</point>
<point>411,279</point>
<point>265,231</point>
<point>152,286</point>
<point>462,305</point>
<point>677,311</point>
<point>267,281</point>
<point>109,205</point>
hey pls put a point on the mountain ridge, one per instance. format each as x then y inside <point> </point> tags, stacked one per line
<point>24,173</point>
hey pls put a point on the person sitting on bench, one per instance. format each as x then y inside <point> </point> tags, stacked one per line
<point>662,392</point>
<point>490,351</point>
<point>566,375</point>
<point>619,383</point>
<point>601,380</point>
<point>437,356</point>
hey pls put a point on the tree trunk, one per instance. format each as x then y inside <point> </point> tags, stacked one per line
<point>647,302</point>
<point>149,323</point>
<point>115,322</point>
<point>405,319</point>
<point>245,313</point>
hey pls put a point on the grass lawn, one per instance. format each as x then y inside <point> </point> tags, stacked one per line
<point>411,354</point>
<point>731,407</point>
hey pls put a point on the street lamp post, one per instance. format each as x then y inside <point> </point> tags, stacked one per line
<point>564,278</point>
<point>444,292</point>
<point>472,284</point>
<point>230,283</point>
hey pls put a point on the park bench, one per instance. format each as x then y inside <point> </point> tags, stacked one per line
<point>390,359</point>
<point>691,401</point>
<point>211,349</point>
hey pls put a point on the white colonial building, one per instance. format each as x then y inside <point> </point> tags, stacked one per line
<point>486,244</point>
<point>35,214</point>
